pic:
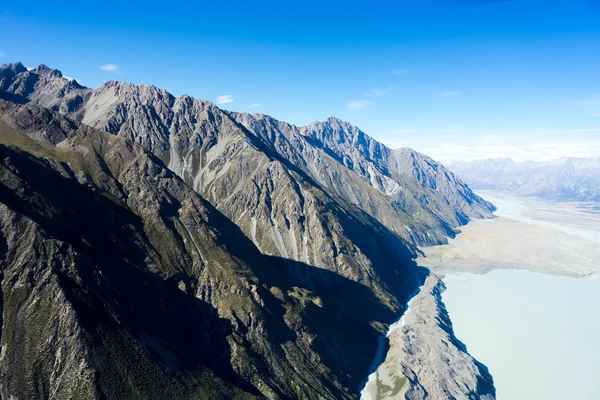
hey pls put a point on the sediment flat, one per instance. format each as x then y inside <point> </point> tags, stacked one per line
<point>542,236</point>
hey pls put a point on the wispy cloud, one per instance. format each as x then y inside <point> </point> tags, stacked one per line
<point>401,71</point>
<point>380,91</point>
<point>357,105</point>
<point>406,131</point>
<point>254,105</point>
<point>449,93</point>
<point>1,54</point>
<point>111,68</point>
<point>596,115</point>
<point>519,144</point>
<point>226,98</point>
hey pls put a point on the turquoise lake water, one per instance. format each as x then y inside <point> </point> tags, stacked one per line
<point>538,334</point>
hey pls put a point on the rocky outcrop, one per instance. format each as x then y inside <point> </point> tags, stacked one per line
<point>292,245</point>
<point>401,173</point>
<point>411,195</point>
<point>120,281</point>
<point>425,360</point>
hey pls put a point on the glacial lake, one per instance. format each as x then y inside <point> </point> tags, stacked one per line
<point>538,334</point>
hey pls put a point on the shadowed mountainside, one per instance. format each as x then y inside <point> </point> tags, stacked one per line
<point>116,271</point>
<point>288,272</point>
<point>224,155</point>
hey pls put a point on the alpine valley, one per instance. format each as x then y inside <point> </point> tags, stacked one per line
<point>161,247</point>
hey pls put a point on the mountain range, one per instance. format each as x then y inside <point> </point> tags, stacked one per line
<point>564,179</point>
<point>162,247</point>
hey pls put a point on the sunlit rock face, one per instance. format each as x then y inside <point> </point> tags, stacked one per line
<point>291,246</point>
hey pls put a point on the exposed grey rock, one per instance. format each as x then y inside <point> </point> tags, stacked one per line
<point>565,179</point>
<point>331,216</point>
<point>411,194</point>
<point>414,196</point>
<point>426,360</point>
<point>121,282</point>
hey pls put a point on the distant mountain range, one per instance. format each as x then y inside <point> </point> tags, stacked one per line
<point>565,179</point>
<point>160,247</point>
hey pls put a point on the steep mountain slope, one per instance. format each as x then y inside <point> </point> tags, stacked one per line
<point>404,174</point>
<point>408,218</point>
<point>565,179</point>
<point>411,194</point>
<point>315,270</point>
<point>120,281</point>
<point>216,152</point>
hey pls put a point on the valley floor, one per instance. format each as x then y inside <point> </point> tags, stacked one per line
<point>529,234</point>
<point>532,234</point>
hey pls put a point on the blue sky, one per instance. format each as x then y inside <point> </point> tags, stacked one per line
<point>454,79</point>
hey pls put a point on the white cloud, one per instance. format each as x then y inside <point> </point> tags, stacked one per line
<point>110,67</point>
<point>520,145</point>
<point>1,54</point>
<point>68,78</point>
<point>405,131</point>
<point>226,98</point>
<point>401,71</point>
<point>449,93</point>
<point>254,105</point>
<point>28,68</point>
<point>358,105</point>
<point>378,92</point>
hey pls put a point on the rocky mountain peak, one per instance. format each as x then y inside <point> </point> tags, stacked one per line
<point>75,85</point>
<point>233,249</point>
<point>45,70</point>
<point>334,121</point>
<point>137,89</point>
<point>338,133</point>
<point>13,69</point>
<point>564,179</point>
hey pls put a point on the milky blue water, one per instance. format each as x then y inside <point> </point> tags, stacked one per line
<point>538,334</point>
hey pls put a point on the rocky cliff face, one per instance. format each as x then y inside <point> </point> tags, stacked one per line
<point>565,179</point>
<point>120,281</point>
<point>216,152</point>
<point>406,176</point>
<point>292,246</point>
<point>410,193</point>
<point>426,360</point>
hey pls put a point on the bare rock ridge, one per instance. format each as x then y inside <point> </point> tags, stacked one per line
<point>120,281</point>
<point>410,194</point>
<point>287,250</point>
<point>565,179</point>
<point>426,360</point>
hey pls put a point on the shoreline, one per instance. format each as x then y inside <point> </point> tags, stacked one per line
<point>514,241</point>
<point>425,358</point>
<point>509,317</point>
<point>381,354</point>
